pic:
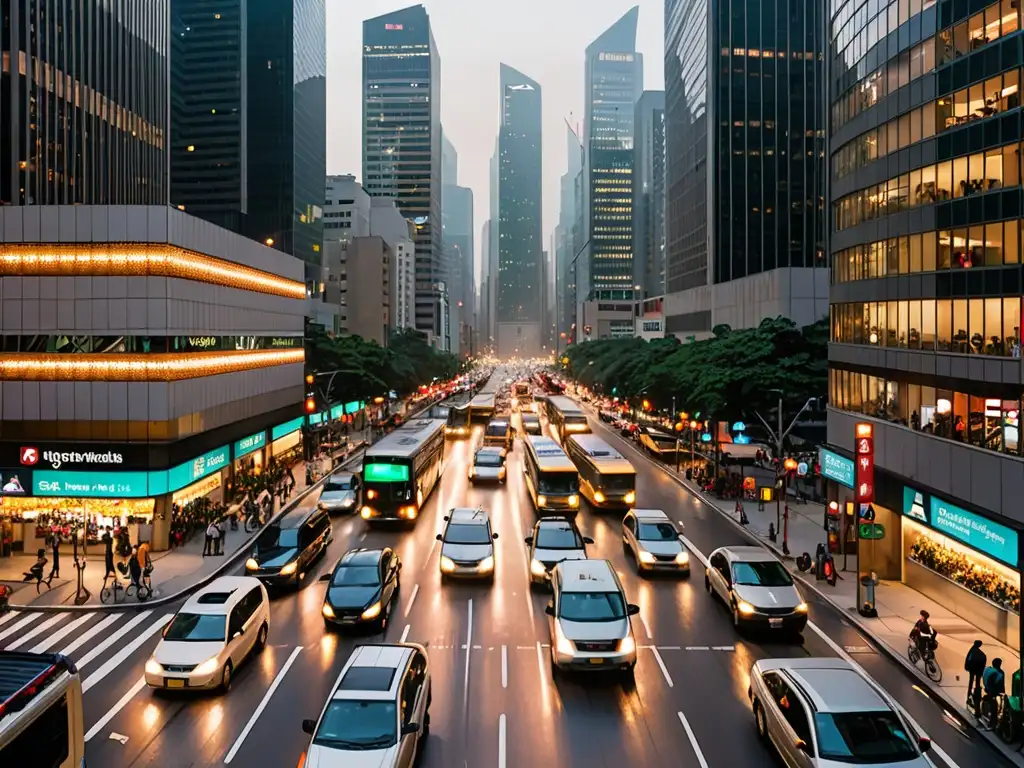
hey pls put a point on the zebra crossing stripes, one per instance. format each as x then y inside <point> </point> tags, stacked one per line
<point>24,621</point>
<point>50,641</point>
<point>35,632</point>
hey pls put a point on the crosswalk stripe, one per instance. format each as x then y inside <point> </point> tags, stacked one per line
<point>36,631</point>
<point>10,615</point>
<point>138,619</point>
<point>85,637</point>
<point>60,634</point>
<point>115,661</point>
<point>25,621</point>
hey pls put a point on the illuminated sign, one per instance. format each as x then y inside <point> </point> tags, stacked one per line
<point>980,533</point>
<point>524,87</point>
<point>386,473</point>
<point>864,465</point>
<point>393,27</point>
<point>836,467</point>
<point>198,468</point>
<point>90,484</point>
<point>249,444</point>
<point>623,57</point>
<point>281,430</point>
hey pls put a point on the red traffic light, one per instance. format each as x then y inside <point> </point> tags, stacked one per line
<point>310,404</point>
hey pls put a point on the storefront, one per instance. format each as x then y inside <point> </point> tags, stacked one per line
<point>250,453</point>
<point>286,440</point>
<point>964,561</point>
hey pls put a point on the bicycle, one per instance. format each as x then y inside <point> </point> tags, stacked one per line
<point>114,585</point>
<point>254,520</point>
<point>931,666</point>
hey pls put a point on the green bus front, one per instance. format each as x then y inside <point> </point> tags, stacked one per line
<point>389,490</point>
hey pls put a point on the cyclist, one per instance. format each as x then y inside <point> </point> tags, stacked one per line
<point>135,569</point>
<point>993,681</point>
<point>923,635</point>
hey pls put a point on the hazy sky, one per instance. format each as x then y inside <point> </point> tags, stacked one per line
<point>544,39</point>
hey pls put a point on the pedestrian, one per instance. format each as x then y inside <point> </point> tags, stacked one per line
<point>55,549</point>
<point>108,552</point>
<point>208,543</point>
<point>221,532</point>
<point>974,666</point>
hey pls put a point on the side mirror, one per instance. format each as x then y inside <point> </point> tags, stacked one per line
<point>529,541</point>
<point>587,540</point>
<point>802,746</point>
<point>325,577</point>
<point>410,728</point>
<point>632,610</point>
<point>549,609</point>
<point>924,744</point>
<point>446,518</point>
<point>439,537</point>
<point>494,535</point>
<point>308,726</point>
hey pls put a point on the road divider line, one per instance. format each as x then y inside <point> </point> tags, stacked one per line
<point>88,635</point>
<point>405,633</point>
<point>60,634</point>
<point>693,740</point>
<point>647,627</point>
<point>25,620</point>
<point>102,722</point>
<point>262,705</point>
<point>36,631</point>
<point>412,599</point>
<point>664,669</point>
<point>693,548</point>
<point>504,667</point>
<point>469,649</point>
<point>540,661</point>
<point>502,749</point>
<point>121,656</point>
<point>136,620</point>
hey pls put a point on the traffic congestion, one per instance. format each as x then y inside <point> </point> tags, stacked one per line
<point>504,579</point>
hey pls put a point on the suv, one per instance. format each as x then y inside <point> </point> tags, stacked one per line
<point>467,544</point>
<point>589,618</point>
<point>825,712</point>
<point>757,589</point>
<point>652,539</point>
<point>286,549</point>
<point>378,711</point>
<point>210,635</point>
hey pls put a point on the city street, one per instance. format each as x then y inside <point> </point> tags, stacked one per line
<point>494,700</point>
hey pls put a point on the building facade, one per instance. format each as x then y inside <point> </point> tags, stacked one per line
<point>369,266</point>
<point>649,193</point>
<point>926,229</point>
<point>565,239</point>
<point>402,143</point>
<point>346,209</point>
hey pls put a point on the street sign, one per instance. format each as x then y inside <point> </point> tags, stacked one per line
<point>872,531</point>
<point>864,466</point>
<point>867,513</point>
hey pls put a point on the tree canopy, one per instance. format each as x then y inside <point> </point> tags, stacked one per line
<point>731,375</point>
<point>368,370</point>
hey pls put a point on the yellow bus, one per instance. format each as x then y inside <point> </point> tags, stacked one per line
<point>565,417</point>
<point>551,477</point>
<point>607,479</point>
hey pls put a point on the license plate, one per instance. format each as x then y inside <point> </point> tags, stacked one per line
<point>775,622</point>
<point>173,683</point>
<point>597,661</point>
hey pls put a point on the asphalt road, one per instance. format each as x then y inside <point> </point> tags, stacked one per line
<point>494,702</point>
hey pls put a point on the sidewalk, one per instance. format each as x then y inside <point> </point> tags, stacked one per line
<point>173,569</point>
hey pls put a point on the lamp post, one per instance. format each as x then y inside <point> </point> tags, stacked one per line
<point>788,466</point>
<point>693,454</point>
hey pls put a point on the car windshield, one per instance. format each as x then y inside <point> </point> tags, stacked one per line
<point>864,738</point>
<point>278,538</point>
<point>348,724</point>
<point>657,532</point>
<point>549,537</point>
<point>467,534</point>
<point>768,573</point>
<point>592,606</point>
<point>197,628</point>
<point>559,483</point>
<point>338,485</point>
<point>488,460</point>
<point>356,576</point>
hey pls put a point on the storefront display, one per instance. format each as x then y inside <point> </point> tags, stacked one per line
<point>961,569</point>
<point>34,520</point>
<point>287,439</point>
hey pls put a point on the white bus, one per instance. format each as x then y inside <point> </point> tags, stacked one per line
<point>401,470</point>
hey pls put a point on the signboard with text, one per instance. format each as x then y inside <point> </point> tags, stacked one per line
<point>836,467</point>
<point>864,463</point>
<point>128,485</point>
<point>249,444</point>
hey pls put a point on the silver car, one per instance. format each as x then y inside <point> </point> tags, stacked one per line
<point>341,493</point>
<point>653,541</point>
<point>467,545</point>
<point>554,539</point>
<point>488,466</point>
<point>825,713</point>
<point>757,589</point>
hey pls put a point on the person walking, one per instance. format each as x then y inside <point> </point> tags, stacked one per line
<point>211,532</point>
<point>221,534</point>
<point>55,549</point>
<point>974,666</point>
<point>108,552</point>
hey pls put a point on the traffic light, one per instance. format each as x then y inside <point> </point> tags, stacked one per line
<point>310,378</point>
<point>310,404</point>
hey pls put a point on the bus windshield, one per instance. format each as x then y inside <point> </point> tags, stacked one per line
<point>558,482</point>
<point>623,482</point>
<point>458,417</point>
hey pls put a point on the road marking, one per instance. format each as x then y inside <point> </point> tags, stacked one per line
<point>36,631</point>
<point>858,648</point>
<point>405,633</point>
<point>469,643</point>
<point>693,548</point>
<point>502,755</point>
<point>698,648</point>
<point>262,705</point>
<point>102,722</point>
<point>121,656</point>
<point>723,647</point>
<point>113,639</point>
<point>664,669</point>
<point>647,627</point>
<point>540,661</point>
<point>60,634</point>
<point>504,667</point>
<point>693,740</point>
<point>412,599</point>
<point>90,633</point>
<point>26,619</point>
<point>8,617</point>
<point>670,648</point>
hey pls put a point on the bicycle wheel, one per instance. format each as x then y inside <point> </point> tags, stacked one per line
<point>913,654</point>
<point>933,670</point>
<point>106,594</point>
<point>144,592</point>
<point>250,524</point>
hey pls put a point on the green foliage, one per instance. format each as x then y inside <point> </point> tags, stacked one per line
<point>731,375</point>
<point>368,369</point>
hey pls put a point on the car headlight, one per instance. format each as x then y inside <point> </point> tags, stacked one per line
<point>154,668</point>
<point>487,564</point>
<point>365,513</point>
<point>348,502</point>
<point>372,612</point>
<point>682,558</point>
<point>598,497</point>
<point>646,557</point>
<point>627,644</point>
<point>289,569</point>
<point>630,497</point>
<point>563,644</point>
<point>208,667</point>
<point>472,471</point>
<point>802,608</point>
<point>537,568</point>
<point>501,473</point>
<point>327,611</point>
<point>574,500</point>
<point>542,500</point>
<point>251,564</point>
<point>447,565</point>
<point>745,608</point>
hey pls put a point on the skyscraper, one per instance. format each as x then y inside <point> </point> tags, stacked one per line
<point>520,247</point>
<point>457,218</point>
<point>566,238</point>
<point>613,82</point>
<point>649,193</point>
<point>104,137</point>
<point>402,143</point>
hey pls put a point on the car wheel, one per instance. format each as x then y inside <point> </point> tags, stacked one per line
<point>760,721</point>
<point>261,638</point>
<point>225,678</point>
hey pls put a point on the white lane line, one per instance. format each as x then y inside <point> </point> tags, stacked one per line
<point>412,599</point>
<point>405,633</point>
<point>26,619</point>
<point>113,638</point>
<point>697,648</point>
<point>469,645</point>
<point>60,634</point>
<point>504,667</point>
<point>693,548</point>
<point>693,740</point>
<point>647,627</point>
<point>262,705</point>
<point>36,631</point>
<point>664,669</point>
<point>502,751</point>
<point>102,722</point>
<point>8,617</point>
<point>723,648</point>
<point>121,656</point>
<point>90,633</point>
<point>540,662</point>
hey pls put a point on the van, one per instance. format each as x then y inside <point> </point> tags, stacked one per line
<point>287,548</point>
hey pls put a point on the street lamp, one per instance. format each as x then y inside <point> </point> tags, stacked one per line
<point>693,456</point>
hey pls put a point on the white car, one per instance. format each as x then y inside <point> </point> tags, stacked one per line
<point>757,589</point>
<point>210,635</point>
<point>653,541</point>
<point>467,545</point>
<point>554,539</point>
<point>341,493</point>
<point>488,466</point>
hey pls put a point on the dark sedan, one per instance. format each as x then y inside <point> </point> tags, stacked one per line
<point>362,589</point>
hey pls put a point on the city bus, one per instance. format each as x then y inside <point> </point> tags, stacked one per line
<point>401,470</point>
<point>607,479</point>
<point>565,417</point>
<point>42,721</point>
<point>551,478</point>
<point>458,421</point>
<point>481,407</point>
